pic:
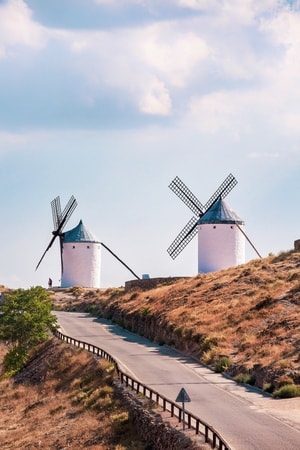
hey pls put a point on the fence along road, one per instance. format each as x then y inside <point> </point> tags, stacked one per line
<point>246,419</point>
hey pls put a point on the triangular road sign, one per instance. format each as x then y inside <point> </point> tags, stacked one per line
<point>183,396</point>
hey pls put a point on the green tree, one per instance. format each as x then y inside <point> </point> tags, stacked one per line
<point>25,321</point>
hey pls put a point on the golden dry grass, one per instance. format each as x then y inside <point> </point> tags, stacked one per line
<point>249,313</point>
<point>63,399</point>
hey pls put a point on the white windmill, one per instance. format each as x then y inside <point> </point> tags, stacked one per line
<point>81,258</point>
<point>221,235</point>
<point>80,251</point>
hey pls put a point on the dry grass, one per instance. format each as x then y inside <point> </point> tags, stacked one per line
<point>250,314</point>
<point>63,399</point>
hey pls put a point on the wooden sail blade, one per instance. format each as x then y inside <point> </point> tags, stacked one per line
<point>66,214</point>
<point>56,212</point>
<point>184,237</point>
<point>222,191</point>
<point>186,195</point>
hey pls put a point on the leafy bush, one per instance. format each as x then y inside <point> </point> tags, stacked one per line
<point>287,391</point>
<point>25,322</point>
<point>14,360</point>
<point>223,364</point>
<point>245,378</point>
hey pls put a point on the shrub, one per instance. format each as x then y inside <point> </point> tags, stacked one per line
<point>146,311</point>
<point>76,291</point>
<point>25,322</point>
<point>245,378</point>
<point>208,343</point>
<point>287,391</point>
<point>223,364</point>
<point>14,360</point>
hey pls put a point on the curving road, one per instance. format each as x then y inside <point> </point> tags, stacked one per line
<point>247,419</point>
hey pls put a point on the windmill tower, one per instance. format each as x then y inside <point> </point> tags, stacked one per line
<point>79,250</point>
<point>81,258</point>
<point>220,241</point>
<point>221,235</point>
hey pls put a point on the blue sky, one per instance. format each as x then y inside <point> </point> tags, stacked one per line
<point>109,100</point>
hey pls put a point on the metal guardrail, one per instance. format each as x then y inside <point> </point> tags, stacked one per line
<point>211,436</point>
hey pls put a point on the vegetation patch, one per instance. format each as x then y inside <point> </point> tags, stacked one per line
<point>249,313</point>
<point>64,398</point>
<point>287,391</point>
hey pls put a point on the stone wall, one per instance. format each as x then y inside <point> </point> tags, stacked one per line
<point>157,433</point>
<point>149,283</point>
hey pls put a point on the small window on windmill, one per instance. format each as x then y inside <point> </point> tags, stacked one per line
<point>214,226</point>
<point>73,246</point>
<point>87,246</point>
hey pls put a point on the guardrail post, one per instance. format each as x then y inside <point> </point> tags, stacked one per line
<point>206,434</point>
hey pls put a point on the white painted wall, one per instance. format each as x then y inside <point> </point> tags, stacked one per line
<point>81,264</point>
<point>220,246</point>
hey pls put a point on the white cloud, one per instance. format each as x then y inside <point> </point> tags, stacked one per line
<point>199,4</point>
<point>117,2</point>
<point>155,99</point>
<point>291,123</point>
<point>216,67</point>
<point>284,30</point>
<point>241,11</point>
<point>247,11</point>
<point>17,27</point>
<point>236,112</point>
<point>212,112</point>
<point>78,46</point>
<point>174,54</point>
<point>143,62</point>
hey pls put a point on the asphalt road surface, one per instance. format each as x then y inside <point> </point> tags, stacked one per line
<point>247,419</point>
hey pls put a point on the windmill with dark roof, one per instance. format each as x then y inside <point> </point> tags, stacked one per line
<point>80,251</point>
<point>221,234</point>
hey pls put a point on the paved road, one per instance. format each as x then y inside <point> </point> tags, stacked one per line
<point>246,419</point>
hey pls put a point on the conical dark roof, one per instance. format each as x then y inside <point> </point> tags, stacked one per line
<point>220,212</point>
<point>79,234</point>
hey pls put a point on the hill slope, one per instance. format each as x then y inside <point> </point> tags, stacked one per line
<point>63,398</point>
<point>244,320</point>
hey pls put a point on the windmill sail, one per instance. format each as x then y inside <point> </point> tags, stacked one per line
<point>60,220</point>
<point>185,194</point>
<point>222,191</point>
<point>184,237</point>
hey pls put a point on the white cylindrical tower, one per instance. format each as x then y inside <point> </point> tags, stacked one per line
<point>80,258</point>
<point>221,243</point>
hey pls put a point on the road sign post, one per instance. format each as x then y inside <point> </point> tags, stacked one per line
<point>183,398</point>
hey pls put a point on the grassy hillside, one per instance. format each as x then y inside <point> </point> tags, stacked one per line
<point>243,320</point>
<point>64,398</point>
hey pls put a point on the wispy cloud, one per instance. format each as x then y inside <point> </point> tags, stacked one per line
<point>18,29</point>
